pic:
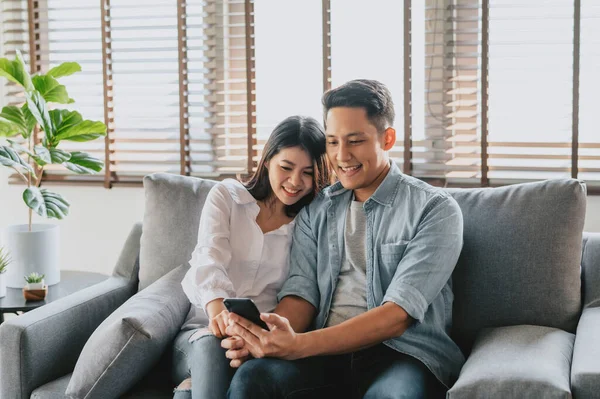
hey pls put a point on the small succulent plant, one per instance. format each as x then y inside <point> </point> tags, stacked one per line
<point>4,260</point>
<point>34,278</point>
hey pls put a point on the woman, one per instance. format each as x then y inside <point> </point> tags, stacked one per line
<point>243,245</point>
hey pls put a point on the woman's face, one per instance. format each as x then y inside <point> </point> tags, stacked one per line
<point>291,174</point>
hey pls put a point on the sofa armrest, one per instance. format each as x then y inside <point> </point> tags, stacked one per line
<point>590,270</point>
<point>44,344</point>
<point>585,370</point>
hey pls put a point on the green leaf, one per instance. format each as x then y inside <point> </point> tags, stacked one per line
<point>64,69</point>
<point>83,163</point>
<point>7,128</point>
<point>9,157</point>
<point>30,121</point>
<point>15,116</point>
<point>16,71</point>
<point>50,89</point>
<point>59,156</point>
<point>37,107</point>
<point>20,149</point>
<point>71,126</point>
<point>43,153</point>
<point>46,203</point>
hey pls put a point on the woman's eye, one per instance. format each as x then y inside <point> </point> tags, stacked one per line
<point>308,173</point>
<point>286,168</point>
<point>332,142</point>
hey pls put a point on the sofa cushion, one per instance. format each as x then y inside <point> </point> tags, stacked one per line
<point>585,372</point>
<point>131,340</point>
<point>517,362</point>
<point>171,218</point>
<point>520,263</point>
<point>590,270</point>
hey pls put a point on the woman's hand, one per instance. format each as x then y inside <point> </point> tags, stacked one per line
<point>218,318</point>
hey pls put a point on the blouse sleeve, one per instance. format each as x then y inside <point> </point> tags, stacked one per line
<point>207,278</point>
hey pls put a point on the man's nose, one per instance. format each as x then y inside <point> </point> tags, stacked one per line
<point>343,154</point>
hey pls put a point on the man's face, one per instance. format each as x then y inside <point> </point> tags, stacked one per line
<point>355,149</point>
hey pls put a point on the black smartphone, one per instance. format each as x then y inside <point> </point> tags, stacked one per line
<point>246,308</point>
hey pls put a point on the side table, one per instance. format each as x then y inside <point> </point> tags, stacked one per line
<point>70,282</point>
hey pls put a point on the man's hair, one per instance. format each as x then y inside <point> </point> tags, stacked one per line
<point>371,95</point>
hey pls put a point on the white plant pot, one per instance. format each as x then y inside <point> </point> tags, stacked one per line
<point>35,286</point>
<point>2,285</point>
<point>32,251</point>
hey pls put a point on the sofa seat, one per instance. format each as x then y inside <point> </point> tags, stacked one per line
<point>517,362</point>
<point>56,390</point>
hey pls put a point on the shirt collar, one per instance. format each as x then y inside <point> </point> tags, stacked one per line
<point>239,193</point>
<point>384,194</point>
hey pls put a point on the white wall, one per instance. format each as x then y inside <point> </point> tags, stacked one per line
<point>100,219</point>
<point>93,233</point>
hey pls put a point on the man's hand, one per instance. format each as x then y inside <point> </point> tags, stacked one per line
<point>236,351</point>
<point>280,342</point>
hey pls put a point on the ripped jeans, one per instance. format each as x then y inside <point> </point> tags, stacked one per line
<point>204,360</point>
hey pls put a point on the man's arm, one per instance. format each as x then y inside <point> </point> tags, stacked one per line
<point>299,312</point>
<point>360,332</point>
<point>368,329</point>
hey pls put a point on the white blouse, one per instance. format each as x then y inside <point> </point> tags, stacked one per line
<point>233,258</point>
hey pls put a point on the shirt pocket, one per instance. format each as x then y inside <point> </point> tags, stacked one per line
<point>392,253</point>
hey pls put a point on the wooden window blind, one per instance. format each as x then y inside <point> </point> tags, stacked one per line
<point>530,90</point>
<point>486,92</point>
<point>288,77</point>
<point>450,149</point>
<point>589,87</point>
<point>367,42</point>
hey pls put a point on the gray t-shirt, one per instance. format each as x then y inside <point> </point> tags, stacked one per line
<point>350,295</point>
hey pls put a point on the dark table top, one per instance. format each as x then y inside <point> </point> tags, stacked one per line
<point>70,282</point>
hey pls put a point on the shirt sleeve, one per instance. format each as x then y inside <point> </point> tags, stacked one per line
<point>429,259</point>
<point>302,277</point>
<point>207,278</point>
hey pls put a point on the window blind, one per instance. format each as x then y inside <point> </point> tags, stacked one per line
<point>450,149</point>
<point>487,92</point>
<point>589,87</point>
<point>530,90</point>
<point>289,77</point>
<point>367,42</point>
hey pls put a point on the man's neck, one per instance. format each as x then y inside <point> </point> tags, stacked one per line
<point>363,194</point>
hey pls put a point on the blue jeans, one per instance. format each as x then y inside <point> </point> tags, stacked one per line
<point>377,372</point>
<point>204,360</point>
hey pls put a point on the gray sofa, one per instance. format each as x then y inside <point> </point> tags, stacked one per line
<point>526,307</point>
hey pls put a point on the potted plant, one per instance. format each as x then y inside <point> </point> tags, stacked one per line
<point>34,247</point>
<point>35,281</point>
<point>35,289</point>
<point>4,262</point>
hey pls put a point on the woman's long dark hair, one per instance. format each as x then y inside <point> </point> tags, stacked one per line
<point>296,131</point>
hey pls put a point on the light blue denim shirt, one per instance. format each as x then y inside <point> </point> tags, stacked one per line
<point>414,238</point>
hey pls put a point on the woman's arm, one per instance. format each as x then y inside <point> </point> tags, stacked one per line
<point>208,280</point>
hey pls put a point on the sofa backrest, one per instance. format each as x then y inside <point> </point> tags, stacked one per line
<point>170,226</point>
<point>520,262</point>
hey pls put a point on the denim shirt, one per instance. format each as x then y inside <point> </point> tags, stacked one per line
<point>414,238</point>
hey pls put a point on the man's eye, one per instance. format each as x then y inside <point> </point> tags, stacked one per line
<point>356,141</point>
<point>332,142</point>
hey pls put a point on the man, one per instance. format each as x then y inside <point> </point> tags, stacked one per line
<point>367,307</point>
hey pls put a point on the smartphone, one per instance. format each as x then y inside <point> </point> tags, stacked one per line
<point>246,308</point>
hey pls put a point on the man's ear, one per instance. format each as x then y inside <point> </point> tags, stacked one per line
<point>389,138</point>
